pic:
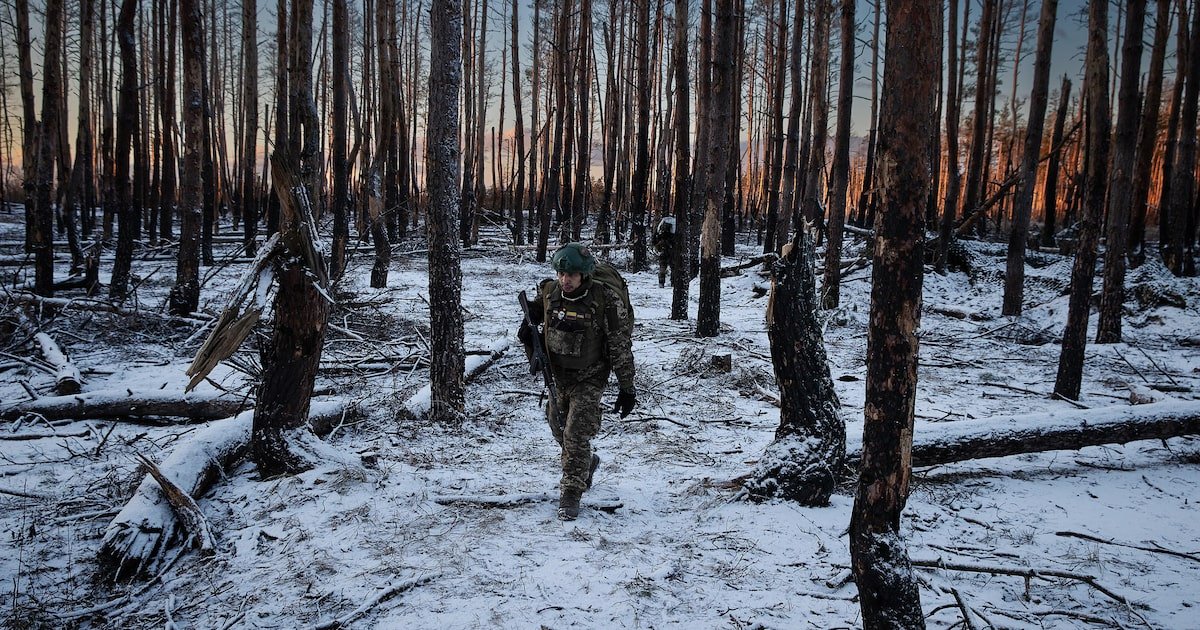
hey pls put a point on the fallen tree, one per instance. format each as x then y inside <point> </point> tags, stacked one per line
<point>147,525</point>
<point>124,403</point>
<point>1070,429</point>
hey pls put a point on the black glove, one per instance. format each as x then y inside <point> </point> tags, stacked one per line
<point>626,401</point>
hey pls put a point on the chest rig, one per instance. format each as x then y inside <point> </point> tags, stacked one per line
<point>574,331</point>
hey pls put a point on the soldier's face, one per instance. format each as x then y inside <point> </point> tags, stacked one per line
<point>569,281</point>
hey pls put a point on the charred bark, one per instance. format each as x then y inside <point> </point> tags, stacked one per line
<point>1120,185</point>
<point>1014,277</point>
<point>879,558</point>
<point>445,272</point>
<point>301,311</point>
<point>1070,360</point>
<point>185,295</point>
<point>801,464</point>
<point>127,123</point>
<point>840,173</point>
<point>1147,142</point>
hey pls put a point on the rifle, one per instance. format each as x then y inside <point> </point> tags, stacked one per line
<point>537,351</point>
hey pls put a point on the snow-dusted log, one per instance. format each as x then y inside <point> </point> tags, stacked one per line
<point>66,376</point>
<point>100,306</point>
<point>418,404</point>
<point>607,504</point>
<point>946,442</point>
<point>120,403</point>
<point>147,525</point>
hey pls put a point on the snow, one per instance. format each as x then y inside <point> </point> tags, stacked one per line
<point>364,538</point>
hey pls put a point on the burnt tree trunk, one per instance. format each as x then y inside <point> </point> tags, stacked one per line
<point>250,123</point>
<point>185,295</point>
<point>1147,141</point>
<point>1183,177</point>
<point>445,273</point>
<point>953,176</point>
<point>840,173</point>
<point>127,122</point>
<point>801,464</point>
<point>1070,360</point>
<point>42,233</point>
<point>641,171</point>
<point>166,97</point>
<point>889,594</point>
<point>974,190</point>
<point>681,261</point>
<point>1014,277</point>
<point>1120,185</point>
<point>725,27</point>
<point>1050,190</point>
<point>280,430</point>
<point>518,180</point>
<point>341,123</point>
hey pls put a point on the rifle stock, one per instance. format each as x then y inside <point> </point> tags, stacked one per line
<point>537,350</point>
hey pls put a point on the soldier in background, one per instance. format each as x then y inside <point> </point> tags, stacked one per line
<point>664,244</point>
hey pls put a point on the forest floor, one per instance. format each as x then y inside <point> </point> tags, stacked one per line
<point>372,543</point>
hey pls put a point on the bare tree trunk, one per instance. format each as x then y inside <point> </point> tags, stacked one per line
<point>612,123</point>
<point>31,138</point>
<point>1148,134</point>
<point>641,170</point>
<point>889,595</point>
<point>866,199</point>
<point>801,464</point>
<point>983,96</point>
<point>583,138</point>
<point>1070,361</point>
<point>681,260</point>
<point>42,234</point>
<point>185,295</point>
<point>776,234</point>
<point>953,176</point>
<point>280,428</point>
<point>82,192</point>
<point>250,125</point>
<point>1183,177</point>
<point>791,183</point>
<point>1050,191</point>
<point>840,173</point>
<point>519,204</point>
<point>341,127</point>
<point>166,99</point>
<point>1120,185</point>
<point>1014,278</point>
<point>445,274</point>
<point>127,124</point>
<point>819,95</point>
<point>708,315</point>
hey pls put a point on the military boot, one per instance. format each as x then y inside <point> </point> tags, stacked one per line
<point>568,508</point>
<point>592,470</point>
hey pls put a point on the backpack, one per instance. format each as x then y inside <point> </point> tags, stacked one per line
<point>607,275</point>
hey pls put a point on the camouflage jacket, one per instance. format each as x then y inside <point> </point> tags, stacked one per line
<point>588,335</point>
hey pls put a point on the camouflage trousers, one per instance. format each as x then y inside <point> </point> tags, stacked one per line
<point>580,406</point>
<point>664,266</point>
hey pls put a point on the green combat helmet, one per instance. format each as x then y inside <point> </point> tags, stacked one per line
<point>573,258</point>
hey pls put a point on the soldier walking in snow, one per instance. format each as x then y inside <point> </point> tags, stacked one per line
<point>587,325</point>
<point>664,244</point>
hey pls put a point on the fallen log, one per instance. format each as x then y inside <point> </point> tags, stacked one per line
<point>66,376</point>
<point>98,306</point>
<point>1071,429</point>
<point>125,403</point>
<point>136,538</point>
<point>607,504</point>
<point>734,270</point>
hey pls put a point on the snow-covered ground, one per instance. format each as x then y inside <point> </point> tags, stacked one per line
<point>371,542</point>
